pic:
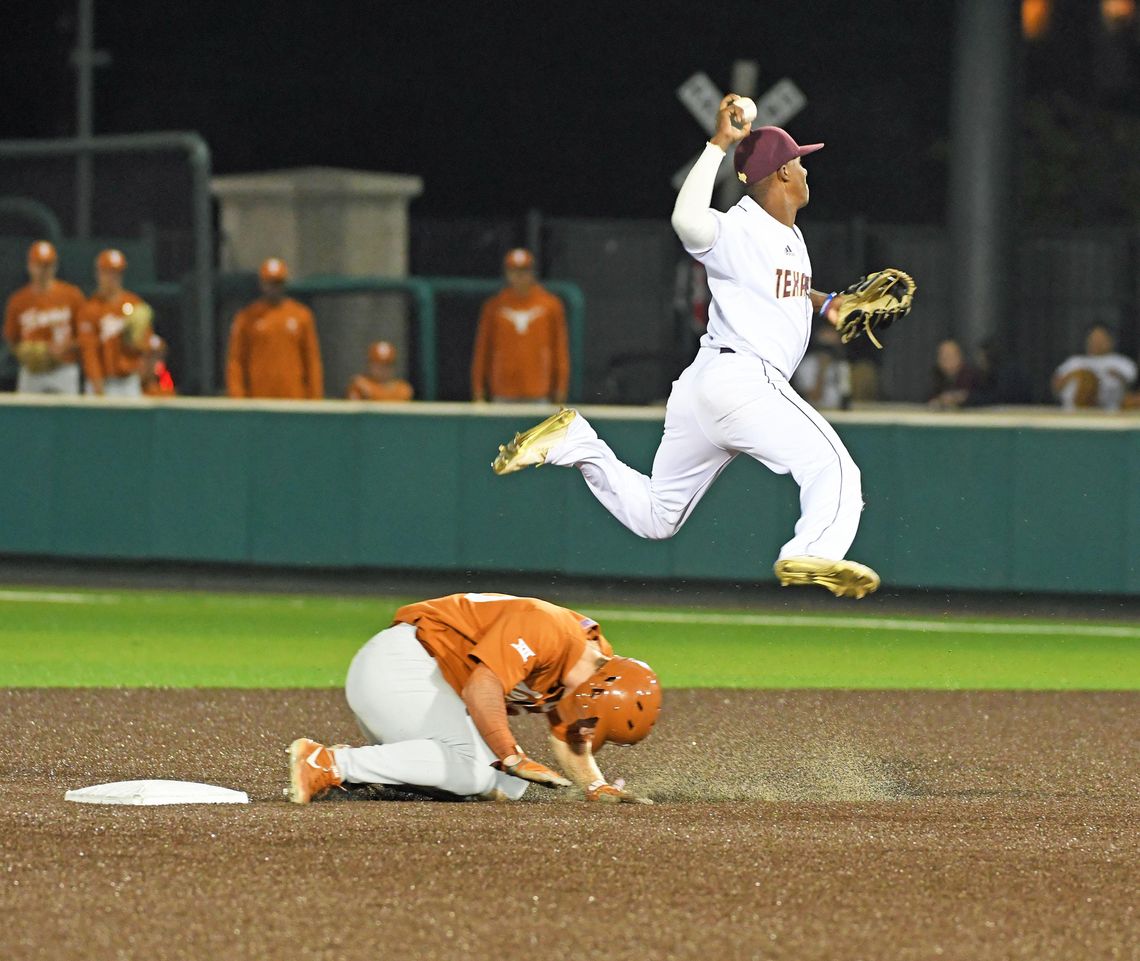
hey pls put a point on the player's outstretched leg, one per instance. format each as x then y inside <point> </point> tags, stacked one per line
<point>654,506</point>
<point>532,447</point>
<point>843,578</point>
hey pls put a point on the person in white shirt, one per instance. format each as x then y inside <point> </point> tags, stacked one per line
<point>1099,377</point>
<point>735,397</point>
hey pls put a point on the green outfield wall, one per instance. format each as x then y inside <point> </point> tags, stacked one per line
<point>1003,501</point>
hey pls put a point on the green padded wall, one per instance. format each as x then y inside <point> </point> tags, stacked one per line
<point>1033,502</point>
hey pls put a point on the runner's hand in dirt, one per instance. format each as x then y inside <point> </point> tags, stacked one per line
<point>613,794</point>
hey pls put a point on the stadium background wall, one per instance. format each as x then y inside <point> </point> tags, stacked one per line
<point>1021,502</point>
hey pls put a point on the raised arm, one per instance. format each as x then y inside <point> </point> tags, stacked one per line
<point>692,219</point>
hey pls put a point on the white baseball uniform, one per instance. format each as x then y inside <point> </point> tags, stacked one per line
<point>419,727</point>
<point>1114,373</point>
<point>735,397</point>
<point>62,380</point>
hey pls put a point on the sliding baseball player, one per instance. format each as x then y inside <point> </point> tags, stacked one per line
<point>432,695</point>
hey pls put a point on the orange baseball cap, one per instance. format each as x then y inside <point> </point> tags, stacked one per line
<point>519,259</point>
<point>274,269</point>
<point>111,259</point>
<point>42,252</point>
<point>381,352</point>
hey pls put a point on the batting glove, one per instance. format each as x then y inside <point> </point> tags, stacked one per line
<point>519,765</point>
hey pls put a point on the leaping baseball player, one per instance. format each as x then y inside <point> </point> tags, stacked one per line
<point>432,694</point>
<point>735,397</point>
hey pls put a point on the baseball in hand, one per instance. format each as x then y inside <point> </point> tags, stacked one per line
<point>747,108</point>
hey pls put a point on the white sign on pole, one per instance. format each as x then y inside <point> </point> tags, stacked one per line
<point>701,96</point>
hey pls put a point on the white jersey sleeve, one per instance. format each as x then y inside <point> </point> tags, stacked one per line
<point>1068,365</point>
<point>1127,368</point>
<point>693,219</point>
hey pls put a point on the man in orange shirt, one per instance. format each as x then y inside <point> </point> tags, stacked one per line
<point>521,351</point>
<point>114,329</point>
<point>432,693</point>
<point>41,325</point>
<point>380,383</point>
<point>273,344</point>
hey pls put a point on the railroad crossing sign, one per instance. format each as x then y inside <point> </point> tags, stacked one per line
<point>702,97</point>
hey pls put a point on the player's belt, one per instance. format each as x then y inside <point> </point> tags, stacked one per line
<point>727,350</point>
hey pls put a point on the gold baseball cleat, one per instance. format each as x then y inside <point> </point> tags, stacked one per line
<point>532,447</point>
<point>842,578</point>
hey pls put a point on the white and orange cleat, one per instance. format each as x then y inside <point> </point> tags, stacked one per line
<point>312,770</point>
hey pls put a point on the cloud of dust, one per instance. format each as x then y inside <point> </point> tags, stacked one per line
<point>832,768</point>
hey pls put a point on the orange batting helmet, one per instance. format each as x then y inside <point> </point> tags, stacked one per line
<point>111,259</point>
<point>625,697</point>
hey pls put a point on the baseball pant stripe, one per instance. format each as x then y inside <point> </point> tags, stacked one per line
<point>838,460</point>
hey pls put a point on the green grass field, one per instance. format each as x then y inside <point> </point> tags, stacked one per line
<point>69,638</point>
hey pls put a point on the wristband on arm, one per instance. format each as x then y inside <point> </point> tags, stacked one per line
<point>827,303</point>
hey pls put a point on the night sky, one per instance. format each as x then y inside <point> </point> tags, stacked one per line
<point>505,107</point>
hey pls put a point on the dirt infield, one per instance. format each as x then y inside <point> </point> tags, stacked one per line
<point>797,825</point>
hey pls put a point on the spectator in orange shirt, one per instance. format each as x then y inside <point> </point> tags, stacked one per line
<point>380,383</point>
<point>273,344</point>
<point>521,351</point>
<point>41,325</point>
<point>114,329</point>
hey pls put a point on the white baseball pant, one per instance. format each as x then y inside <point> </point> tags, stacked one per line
<point>421,733</point>
<point>63,380</point>
<point>129,386</point>
<point>722,405</point>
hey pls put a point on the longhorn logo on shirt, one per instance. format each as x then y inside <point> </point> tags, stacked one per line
<point>33,320</point>
<point>110,326</point>
<point>521,318</point>
<point>792,283</point>
<point>524,650</point>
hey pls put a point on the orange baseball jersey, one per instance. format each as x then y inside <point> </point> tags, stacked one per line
<point>527,643</point>
<point>274,352</point>
<point>364,387</point>
<point>48,315</point>
<point>521,347</point>
<point>101,326</point>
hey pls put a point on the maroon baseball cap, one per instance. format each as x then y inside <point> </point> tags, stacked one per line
<point>766,150</point>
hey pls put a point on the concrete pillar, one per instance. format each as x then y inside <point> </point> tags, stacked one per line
<point>982,129</point>
<point>327,221</point>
